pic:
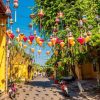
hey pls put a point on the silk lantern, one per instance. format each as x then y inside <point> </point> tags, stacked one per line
<point>38,39</point>
<point>39,52</point>
<point>32,50</point>
<point>18,30</point>
<point>15,6</point>
<point>11,21</point>
<point>81,40</point>
<point>40,43</point>
<point>8,11</point>
<point>31,37</point>
<point>21,36</point>
<point>60,14</point>
<point>49,44</point>
<point>24,38</point>
<point>48,52</point>
<point>53,40</point>
<point>70,40</point>
<point>62,44</point>
<point>29,42</point>
<point>41,13</point>
<point>12,36</point>
<point>24,46</point>
<point>57,20</point>
<point>84,18</point>
<point>87,38</point>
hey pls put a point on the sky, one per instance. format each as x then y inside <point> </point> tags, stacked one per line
<point>23,20</point>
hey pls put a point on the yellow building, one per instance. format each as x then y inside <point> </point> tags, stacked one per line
<point>87,71</point>
<point>3,19</point>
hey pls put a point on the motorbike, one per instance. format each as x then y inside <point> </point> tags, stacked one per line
<point>12,91</point>
<point>64,88</point>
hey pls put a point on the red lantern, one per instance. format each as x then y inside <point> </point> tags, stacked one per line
<point>12,36</point>
<point>25,38</point>
<point>42,40</point>
<point>41,13</point>
<point>81,40</point>
<point>31,37</point>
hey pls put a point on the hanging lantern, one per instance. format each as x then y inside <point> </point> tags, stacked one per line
<point>84,18</point>
<point>60,14</point>
<point>41,13</point>
<point>8,11</point>
<point>39,52</point>
<point>15,6</point>
<point>89,33</point>
<point>40,43</point>
<point>62,44</point>
<point>49,44</point>
<point>11,21</point>
<point>80,23</point>
<point>32,16</point>
<point>21,36</point>
<point>15,3</point>
<point>24,46</point>
<point>81,40</point>
<point>72,43</point>
<point>48,52</point>
<point>87,39</point>
<point>56,52</point>
<point>70,40</point>
<point>32,50</point>
<point>53,40</point>
<point>12,36</point>
<point>38,39</point>
<point>8,32</point>
<point>29,42</point>
<point>57,20</point>
<point>31,37</point>
<point>34,33</point>
<point>24,38</point>
<point>17,38</point>
<point>18,30</point>
<point>30,25</point>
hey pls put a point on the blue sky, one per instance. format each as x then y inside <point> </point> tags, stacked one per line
<point>23,20</point>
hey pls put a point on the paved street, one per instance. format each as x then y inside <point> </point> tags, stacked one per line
<point>39,89</point>
<point>43,89</point>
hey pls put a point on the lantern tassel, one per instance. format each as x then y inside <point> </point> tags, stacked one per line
<point>15,15</point>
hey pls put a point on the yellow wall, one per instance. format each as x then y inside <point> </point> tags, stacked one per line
<point>85,71</point>
<point>2,54</point>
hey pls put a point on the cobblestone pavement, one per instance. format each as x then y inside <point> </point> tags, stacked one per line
<point>43,89</point>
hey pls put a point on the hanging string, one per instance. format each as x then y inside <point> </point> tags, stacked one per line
<point>15,15</point>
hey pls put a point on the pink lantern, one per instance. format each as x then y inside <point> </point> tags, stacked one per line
<point>81,40</point>
<point>42,40</point>
<point>15,3</point>
<point>57,20</point>
<point>8,11</point>
<point>41,13</point>
<point>25,38</point>
<point>31,37</point>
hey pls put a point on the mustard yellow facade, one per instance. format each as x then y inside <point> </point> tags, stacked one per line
<point>2,53</point>
<point>86,71</point>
